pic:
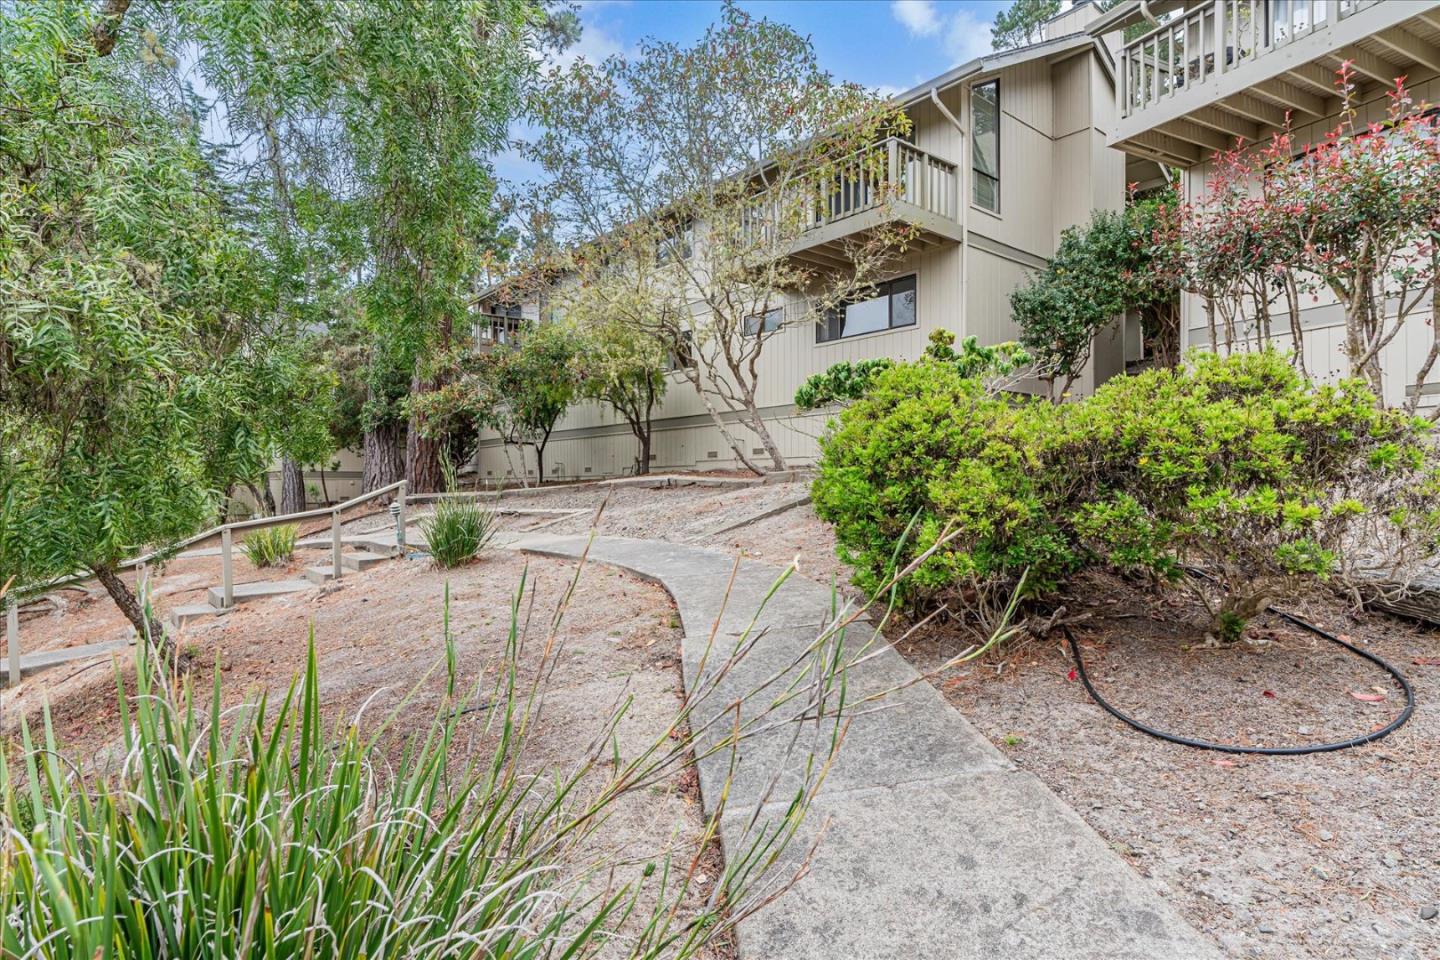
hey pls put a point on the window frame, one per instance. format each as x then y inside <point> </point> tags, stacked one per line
<point>752,329</point>
<point>975,172</point>
<point>885,288</point>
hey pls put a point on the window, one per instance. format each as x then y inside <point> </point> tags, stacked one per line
<point>683,355</point>
<point>766,322</point>
<point>892,305</point>
<point>985,144</point>
<point>677,246</point>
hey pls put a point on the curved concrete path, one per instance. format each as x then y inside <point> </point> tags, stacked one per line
<point>938,846</point>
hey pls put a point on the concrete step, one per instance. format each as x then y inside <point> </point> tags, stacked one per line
<point>45,659</point>
<point>245,592</point>
<point>180,616</point>
<point>361,559</point>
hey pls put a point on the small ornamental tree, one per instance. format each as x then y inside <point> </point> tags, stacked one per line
<point>520,393</point>
<point>691,172</point>
<point>1355,216</point>
<point>1111,265</point>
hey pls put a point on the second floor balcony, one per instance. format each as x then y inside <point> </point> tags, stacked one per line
<point>891,181</point>
<point>1217,70</point>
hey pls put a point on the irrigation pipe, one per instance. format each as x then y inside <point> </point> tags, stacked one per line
<point>1294,751</point>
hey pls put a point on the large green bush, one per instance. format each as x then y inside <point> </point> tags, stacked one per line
<point>1236,464</point>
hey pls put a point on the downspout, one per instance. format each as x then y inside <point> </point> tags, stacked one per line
<point>962,206</point>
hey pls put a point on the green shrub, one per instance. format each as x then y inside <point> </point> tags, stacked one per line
<point>927,450</point>
<point>1243,466</point>
<point>458,530</point>
<point>272,546</point>
<point>1238,464</point>
<point>847,381</point>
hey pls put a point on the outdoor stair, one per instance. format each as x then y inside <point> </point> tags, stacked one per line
<point>180,616</point>
<point>45,659</point>
<point>358,560</point>
<point>244,592</point>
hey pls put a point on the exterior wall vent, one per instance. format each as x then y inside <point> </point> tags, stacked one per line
<point>587,469</point>
<point>654,457</point>
<point>713,455</point>
<point>755,450</point>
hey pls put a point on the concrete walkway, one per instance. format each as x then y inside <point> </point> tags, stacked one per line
<point>938,846</point>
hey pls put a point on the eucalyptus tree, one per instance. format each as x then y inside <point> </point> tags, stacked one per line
<point>429,92</point>
<point>126,295</point>
<point>693,171</point>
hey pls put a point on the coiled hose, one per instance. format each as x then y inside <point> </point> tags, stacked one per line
<point>1371,737</point>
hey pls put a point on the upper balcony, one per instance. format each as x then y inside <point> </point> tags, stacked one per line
<point>888,182</point>
<point>1221,69</point>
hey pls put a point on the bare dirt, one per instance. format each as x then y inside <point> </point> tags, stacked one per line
<point>1331,855</point>
<point>379,640</point>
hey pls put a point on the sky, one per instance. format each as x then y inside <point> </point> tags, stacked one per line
<point>887,45</point>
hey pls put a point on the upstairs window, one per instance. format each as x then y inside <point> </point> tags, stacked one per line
<point>679,245</point>
<point>767,322</point>
<point>683,355</point>
<point>891,306</point>
<point>985,144</point>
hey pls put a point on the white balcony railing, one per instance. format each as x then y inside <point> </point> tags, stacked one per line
<point>892,171</point>
<point>1217,37</point>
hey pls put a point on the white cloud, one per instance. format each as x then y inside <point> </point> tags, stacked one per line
<point>919,16</point>
<point>962,34</point>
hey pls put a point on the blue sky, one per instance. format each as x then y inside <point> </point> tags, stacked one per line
<point>889,45</point>
<point>880,43</point>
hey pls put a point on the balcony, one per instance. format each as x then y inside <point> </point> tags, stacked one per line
<point>891,181</point>
<point>1223,69</point>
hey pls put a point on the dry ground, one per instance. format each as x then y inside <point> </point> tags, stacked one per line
<point>379,638</point>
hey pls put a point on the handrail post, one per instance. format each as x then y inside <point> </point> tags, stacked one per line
<point>335,543</point>
<point>227,572</point>
<point>400,519</point>
<point>12,639</point>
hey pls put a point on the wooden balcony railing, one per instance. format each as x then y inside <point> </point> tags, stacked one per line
<point>1217,37</point>
<point>892,171</point>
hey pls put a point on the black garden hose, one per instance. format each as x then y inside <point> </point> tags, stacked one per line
<point>1385,731</point>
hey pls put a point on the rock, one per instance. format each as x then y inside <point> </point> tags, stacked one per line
<point>1430,912</point>
<point>1303,731</point>
<point>1326,835</point>
<point>1390,860</point>
<point>1320,872</point>
<point>1266,928</point>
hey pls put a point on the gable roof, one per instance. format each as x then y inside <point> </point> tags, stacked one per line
<point>1000,59</point>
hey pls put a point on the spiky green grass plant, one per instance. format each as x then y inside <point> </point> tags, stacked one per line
<point>261,831</point>
<point>458,530</point>
<point>271,546</point>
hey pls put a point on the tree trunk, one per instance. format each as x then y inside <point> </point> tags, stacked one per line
<point>264,499</point>
<point>642,464</point>
<point>539,462</point>
<point>147,627</point>
<point>292,487</point>
<point>423,473</point>
<point>384,456</point>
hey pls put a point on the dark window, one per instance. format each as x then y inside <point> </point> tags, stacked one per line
<point>768,322</point>
<point>677,246</point>
<point>985,143</point>
<point>891,305</point>
<point>683,355</point>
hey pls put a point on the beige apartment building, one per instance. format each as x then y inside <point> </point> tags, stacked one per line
<point>1104,100</point>
<point>989,207</point>
<point>1209,72</point>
